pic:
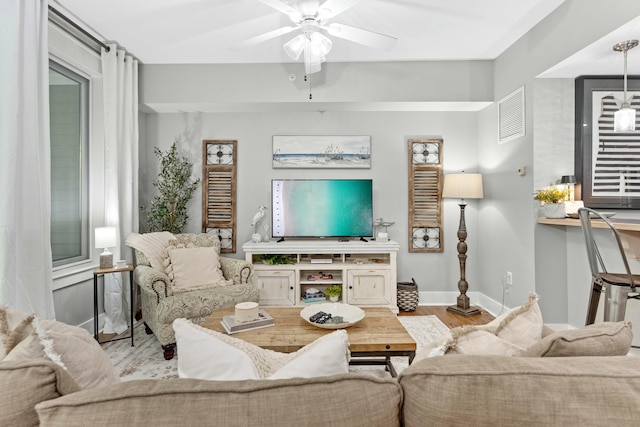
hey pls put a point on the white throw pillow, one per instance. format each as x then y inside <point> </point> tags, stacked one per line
<point>195,268</point>
<point>211,355</point>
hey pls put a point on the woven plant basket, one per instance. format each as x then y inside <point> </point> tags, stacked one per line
<point>407,295</point>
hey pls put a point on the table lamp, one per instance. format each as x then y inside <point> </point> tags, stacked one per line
<point>106,238</point>
<point>463,186</point>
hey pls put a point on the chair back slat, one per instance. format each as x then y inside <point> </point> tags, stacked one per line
<point>596,261</point>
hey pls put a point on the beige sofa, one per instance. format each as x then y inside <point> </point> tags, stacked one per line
<point>450,390</point>
<point>55,374</point>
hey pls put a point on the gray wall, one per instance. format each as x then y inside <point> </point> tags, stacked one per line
<point>389,133</point>
<point>508,215</point>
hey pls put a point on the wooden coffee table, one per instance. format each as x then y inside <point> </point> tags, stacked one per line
<point>380,334</point>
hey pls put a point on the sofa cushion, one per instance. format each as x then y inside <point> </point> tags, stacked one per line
<point>194,268</point>
<point>599,339</point>
<point>518,391</point>
<point>26,383</point>
<point>339,400</point>
<point>207,354</point>
<point>197,240</point>
<point>71,348</point>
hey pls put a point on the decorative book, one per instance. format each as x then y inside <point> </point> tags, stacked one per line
<point>314,299</point>
<point>231,326</point>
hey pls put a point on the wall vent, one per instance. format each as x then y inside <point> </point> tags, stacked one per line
<point>511,119</point>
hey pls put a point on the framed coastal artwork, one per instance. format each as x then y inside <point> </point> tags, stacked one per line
<point>322,151</point>
<point>607,163</point>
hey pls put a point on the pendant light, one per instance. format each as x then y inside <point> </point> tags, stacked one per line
<point>624,120</point>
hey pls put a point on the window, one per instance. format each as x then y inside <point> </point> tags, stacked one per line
<point>68,105</point>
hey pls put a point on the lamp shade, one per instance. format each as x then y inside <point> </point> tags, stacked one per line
<point>568,179</point>
<point>105,237</point>
<point>462,186</point>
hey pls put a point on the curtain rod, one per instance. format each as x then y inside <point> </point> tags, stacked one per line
<point>75,26</point>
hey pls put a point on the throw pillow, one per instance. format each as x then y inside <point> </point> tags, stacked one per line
<point>507,335</point>
<point>71,348</point>
<point>522,326</point>
<point>12,326</point>
<point>194,268</point>
<point>599,339</point>
<point>207,354</point>
<point>152,245</point>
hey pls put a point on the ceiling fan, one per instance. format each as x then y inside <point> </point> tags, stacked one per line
<point>311,18</point>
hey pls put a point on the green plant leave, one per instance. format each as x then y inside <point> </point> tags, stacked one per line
<point>168,209</point>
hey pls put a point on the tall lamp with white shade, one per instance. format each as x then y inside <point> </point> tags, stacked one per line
<point>463,186</point>
<point>106,238</point>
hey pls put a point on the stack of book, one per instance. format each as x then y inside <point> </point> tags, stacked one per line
<point>313,295</point>
<point>231,326</point>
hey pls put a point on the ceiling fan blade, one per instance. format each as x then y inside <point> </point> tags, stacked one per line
<point>331,8</point>
<point>293,13</point>
<point>266,36</point>
<point>364,37</point>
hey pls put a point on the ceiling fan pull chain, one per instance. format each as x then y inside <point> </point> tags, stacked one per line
<point>308,78</point>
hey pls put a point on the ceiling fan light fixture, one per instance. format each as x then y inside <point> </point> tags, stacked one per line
<point>624,120</point>
<point>312,62</point>
<point>320,44</point>
<point>296,46</point>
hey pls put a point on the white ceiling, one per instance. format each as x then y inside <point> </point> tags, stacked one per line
<point>208,31</point>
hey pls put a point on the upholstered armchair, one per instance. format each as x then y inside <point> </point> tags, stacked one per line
<point>176,283</point>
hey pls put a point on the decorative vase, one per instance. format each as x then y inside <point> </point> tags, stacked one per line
<point>554,210</point>
<point>334,298</point>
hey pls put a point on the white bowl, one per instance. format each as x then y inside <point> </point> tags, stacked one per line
<point>350,313</point>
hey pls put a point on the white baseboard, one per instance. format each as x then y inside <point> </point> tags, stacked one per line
<point>88,324</point>
<point>449,298</point>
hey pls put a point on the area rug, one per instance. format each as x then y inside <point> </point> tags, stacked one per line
<point>145,359</point>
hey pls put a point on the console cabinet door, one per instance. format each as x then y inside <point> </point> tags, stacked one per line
<point>369,287</point>
<point>276,287</point>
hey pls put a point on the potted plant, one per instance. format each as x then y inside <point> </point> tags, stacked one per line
<point>276,259</point>
<point>168,210</point>
<point>333,292</point>
<point>552,199</point>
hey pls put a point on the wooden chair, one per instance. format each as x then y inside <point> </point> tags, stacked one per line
<point>618,287</point>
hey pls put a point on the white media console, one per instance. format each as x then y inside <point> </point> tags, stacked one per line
<point>365,270</point>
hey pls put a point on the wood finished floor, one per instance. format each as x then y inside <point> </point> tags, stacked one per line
<point>448,318</point>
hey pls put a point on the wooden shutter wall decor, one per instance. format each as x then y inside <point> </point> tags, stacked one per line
<point>425,195</point>
<point>219,164</point>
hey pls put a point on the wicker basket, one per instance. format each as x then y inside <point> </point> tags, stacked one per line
<point>407,295</point>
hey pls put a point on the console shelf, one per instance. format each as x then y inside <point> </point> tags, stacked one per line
<point>366,270</point>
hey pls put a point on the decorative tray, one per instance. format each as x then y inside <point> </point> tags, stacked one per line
<point>328,313</point>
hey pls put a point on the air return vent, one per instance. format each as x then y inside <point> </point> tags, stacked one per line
<point>511,121</point>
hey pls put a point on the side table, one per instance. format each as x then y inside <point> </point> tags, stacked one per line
<point>101,272</point>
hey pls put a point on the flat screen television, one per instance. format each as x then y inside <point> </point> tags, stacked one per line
<point>306,208</point>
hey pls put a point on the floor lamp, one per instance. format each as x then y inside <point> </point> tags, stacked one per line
<point>463,186</point>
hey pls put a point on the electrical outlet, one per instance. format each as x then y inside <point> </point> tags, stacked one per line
<point>509,278</point>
